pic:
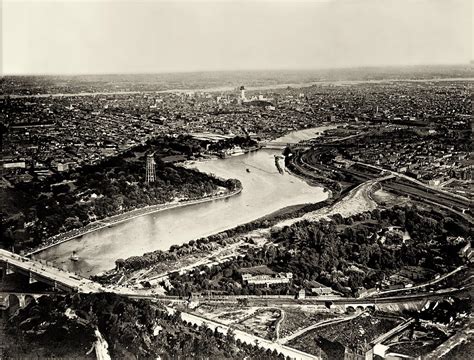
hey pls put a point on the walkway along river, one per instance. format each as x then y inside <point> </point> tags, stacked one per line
<point>264,190</point>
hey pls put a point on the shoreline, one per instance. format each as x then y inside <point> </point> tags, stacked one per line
<point>315,184</point>
<point>146,210</point>
<point>132,214</point>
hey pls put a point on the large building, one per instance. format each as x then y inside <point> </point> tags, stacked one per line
<point>280,278</point>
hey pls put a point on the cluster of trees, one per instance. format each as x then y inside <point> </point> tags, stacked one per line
<point>129,327</point>
<point>176,251</point>
<point>116,185</point>
<point>186,144</point>
<point>343,253</point>
<point>445,311</point>
<point>41,330</point>
<point>243,142</point>
<point>227,277</point>
<point>211,242</point>
<point>324,250</point>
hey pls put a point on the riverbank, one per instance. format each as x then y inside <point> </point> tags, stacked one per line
<point>265,191</point>
<point>132,214</point>
<point>129,215</point>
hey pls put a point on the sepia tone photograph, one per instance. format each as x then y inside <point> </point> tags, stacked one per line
<point>236,179</point>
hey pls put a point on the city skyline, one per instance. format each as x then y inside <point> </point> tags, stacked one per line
<point>101,37</point>
<point>242,179</point>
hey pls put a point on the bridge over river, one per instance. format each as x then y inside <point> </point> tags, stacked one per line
<point>39,272</point>
<point>68,282</point>
<point>277,145</point>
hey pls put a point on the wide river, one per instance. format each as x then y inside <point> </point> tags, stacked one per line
<point>264,190</point>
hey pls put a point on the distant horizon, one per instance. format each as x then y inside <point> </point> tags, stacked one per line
<point>362,67</point>
<point>91,37</point>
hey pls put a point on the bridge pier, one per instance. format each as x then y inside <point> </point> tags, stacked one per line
<point>4,302</point>
<point>11,299</point>
<point>9,270</point>
<point>360,307</point>
<point>32,279</point>
<point>22,301</point>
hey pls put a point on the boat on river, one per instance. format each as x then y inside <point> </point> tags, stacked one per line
<point>74,256</point>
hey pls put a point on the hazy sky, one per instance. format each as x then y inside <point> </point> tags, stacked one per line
<point>105,36</point>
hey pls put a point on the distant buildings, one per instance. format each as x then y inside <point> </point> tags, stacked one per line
<point>86,130</point>
<point>259,100</point>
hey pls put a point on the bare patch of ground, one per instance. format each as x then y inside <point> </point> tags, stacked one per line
<point>297,318</point>
<point>262,323</point>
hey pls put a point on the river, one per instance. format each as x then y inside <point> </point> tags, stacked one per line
<point>265,190</point>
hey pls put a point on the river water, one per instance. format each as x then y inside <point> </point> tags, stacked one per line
<point>264,190</point>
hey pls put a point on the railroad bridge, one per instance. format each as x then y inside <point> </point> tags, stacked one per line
<point>360,306</point>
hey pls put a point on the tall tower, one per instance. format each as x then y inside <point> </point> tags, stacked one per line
<point>150,168</point>
<point>242,93</point>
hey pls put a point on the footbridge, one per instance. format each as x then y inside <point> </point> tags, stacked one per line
<point>39,272</point>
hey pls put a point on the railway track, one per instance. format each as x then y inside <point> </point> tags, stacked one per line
<point>304,162</point>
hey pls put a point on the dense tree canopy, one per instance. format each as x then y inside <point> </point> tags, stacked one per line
<point>342,253</point>
<point>133,329</point>
<point>112,187</point>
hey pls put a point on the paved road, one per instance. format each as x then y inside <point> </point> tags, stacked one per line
<point>249,338</point>
<point>61,277</point>
<point>317,325</point>
<point>278,325</point>
<point>84,285</point>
